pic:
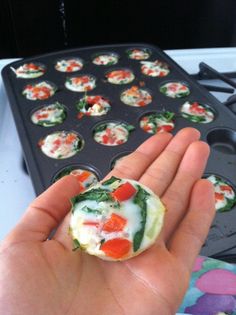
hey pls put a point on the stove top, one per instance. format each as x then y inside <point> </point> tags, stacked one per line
<point>16,190</point>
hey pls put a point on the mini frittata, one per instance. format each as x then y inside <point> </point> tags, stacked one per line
<point>155,68</point>
<point>122,76</point>
<point>49,115</point>
<point>93,105</point>
<point>197,112</point>
<point>107,59</point>
<point>136,97</point>
<point>29,70</point>
<point>61,144</point>
<point>138,53</point>
<point>82,83</point>
<point>116,220</point>
<point>157,122</point>
<point>69,65</point>
<point>86,178</point>
<point>39,91</point>
<point>225,197</point>
<point>112,133</point>
<point>175,89</point>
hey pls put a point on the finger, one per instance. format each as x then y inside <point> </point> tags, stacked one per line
<point>176,197</point>
<point>46,212</point>
<point>133,165</point>
<point>62,233</point>
<point>192,232</point>
<point>161,172</point>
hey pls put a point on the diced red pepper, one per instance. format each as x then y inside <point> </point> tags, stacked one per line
<point>91,223</point>
<point>42,116</point>
<point>57,142</point>
<point>33,66</point>
<point>41,142</point>
<point>166,128</point>
<point>80,115</point>
<point>141,103</point>
<point>88,88</point>
<point>115,223</point>
<point>196,108</point>
<point>225,188</point>
<point>219,196</point>
<point>173,87</point>
<point>93,99</point>
<point>162,73</point>
<point>150,71</point>
<point>116,248</point>
<point>81,176</point>
<point>124,192</point>
<point>147,128</point>
<point>70,138</point>
<point>120,141</point>
<point>105,139</point>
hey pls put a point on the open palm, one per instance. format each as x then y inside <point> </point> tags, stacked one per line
<point>45,277</point>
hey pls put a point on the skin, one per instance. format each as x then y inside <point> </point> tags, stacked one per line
<point>45,277</point>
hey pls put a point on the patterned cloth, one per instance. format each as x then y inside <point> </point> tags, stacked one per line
<point>212,289</point>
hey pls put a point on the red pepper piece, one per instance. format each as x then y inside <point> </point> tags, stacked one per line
<point>81,176</point>
<point>124,192</point>
<point>147,128</point>
<point>91,223</point>
<point>115,223</point>
<point>219,196</point>
<point>166,128</point>
<point>116,248</point>
<point>141,103</point>
<point>225,188</point>
<point>196,108</point>
<point>42,116</point>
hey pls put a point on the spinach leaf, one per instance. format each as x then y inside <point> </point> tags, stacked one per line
<point>89,210</point>
<point>230,203</point>
<point>128,127</point>
<point>100,128</point>
<point>76,244</point>
<point>97,194</point>
<point>141,200</point>
<point>111,181</point>
<point>168,115</point>
<point>81,104</point>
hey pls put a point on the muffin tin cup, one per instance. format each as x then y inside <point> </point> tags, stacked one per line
<point>42,169</point>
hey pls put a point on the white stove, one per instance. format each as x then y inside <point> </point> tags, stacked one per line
<point>16,190</point>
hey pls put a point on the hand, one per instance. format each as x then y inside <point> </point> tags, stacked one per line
<point>45,277</point>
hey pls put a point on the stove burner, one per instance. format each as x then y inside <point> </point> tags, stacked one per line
<point>231,103</point>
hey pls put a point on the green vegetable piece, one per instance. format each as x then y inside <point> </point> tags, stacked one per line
<point>111,181</point>
<point>81,104</point>
<point>140,199</point>
<point>100,128</point>
<point>76,244</point>
<point>128,127</point>
<point>97,194</point>
<point>163,89</point>
<point>89,210</point>
<point>194,118</point>
<point>168,116</point>
<point>229,205</point>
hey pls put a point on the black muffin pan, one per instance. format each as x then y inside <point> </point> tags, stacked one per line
<point>220,133</point>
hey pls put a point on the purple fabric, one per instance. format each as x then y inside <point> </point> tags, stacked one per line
<point>211,304</point>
